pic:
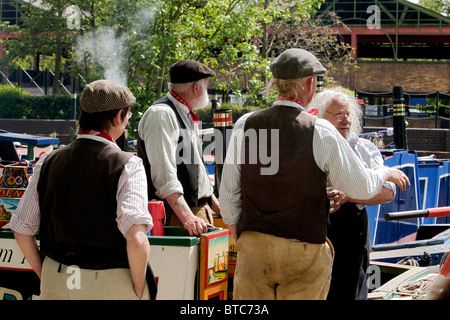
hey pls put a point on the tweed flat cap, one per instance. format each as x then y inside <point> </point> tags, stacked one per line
<point>105,95</point>
<point>296,63</point>
<point>185,71</point>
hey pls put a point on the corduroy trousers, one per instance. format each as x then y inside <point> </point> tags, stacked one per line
<point>275,268</point>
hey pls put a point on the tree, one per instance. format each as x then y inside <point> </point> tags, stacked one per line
<point>238,38</point>
<point>43,32</point>
<point>440,6</point>
<point>217,33</point>
<point>292,24</point>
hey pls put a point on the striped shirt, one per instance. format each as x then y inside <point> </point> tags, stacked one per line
<point>160,131</point>
<point>332,154</point>
<point>132,203</point>
<point>370,156</point>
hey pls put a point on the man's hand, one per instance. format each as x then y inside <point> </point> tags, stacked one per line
<point>396,176</point>
<point>338,198</point>
<point>195,225</point>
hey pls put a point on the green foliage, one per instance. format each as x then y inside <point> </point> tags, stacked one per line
<point>440,6</point>
<point>12,102</point>
<point>15,103</point>
<point>237,38</point>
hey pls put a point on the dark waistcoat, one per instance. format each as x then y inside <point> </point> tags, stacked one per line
<point>291,203</point>
<point>77,197</point>
<point>187,171</point>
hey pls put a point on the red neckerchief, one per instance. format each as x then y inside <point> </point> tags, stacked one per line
<point>313,111</point>
<point>96,133</point>
<point>181,100</point>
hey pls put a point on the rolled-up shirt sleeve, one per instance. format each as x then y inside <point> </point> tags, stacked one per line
<point>230,187</point>
<point>26,220</point>
<point>132,199</point>
<point>159,130</point>
<point>346,172</point>
<point>371,157</point>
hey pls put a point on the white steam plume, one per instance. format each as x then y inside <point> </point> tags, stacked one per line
<point>105,49</point>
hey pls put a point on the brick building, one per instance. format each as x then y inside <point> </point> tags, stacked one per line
<point>396,43</point>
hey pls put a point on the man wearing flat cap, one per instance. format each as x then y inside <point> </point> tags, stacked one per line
<point>169,144</point>
<point>279,220</point>
<point>88,202</point>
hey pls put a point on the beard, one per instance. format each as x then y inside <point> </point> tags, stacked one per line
<point>203,100</point>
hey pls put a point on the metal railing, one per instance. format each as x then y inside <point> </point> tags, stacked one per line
<point>40,80</point>
<point>418,106</point>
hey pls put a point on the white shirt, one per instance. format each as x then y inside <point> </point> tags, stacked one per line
<point>370,156</point>
<point>332,154</point>
<point>132,202</point>
<point>160,131</point>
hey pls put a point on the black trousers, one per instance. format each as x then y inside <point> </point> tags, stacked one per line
<point>348,231</point>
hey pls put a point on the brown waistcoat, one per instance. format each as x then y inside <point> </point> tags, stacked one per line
<point>77,197</point>
<point>291,203</point>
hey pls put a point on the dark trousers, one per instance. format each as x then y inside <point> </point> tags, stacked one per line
<point>349,233</point>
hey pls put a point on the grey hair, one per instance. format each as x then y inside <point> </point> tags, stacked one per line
<point>183,87</point>
<point>180,87</point>
<point>323,99</point>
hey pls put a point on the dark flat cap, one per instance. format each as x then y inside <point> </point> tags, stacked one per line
<point>105,95</point>
<point>296,63</point>
<point>185,71</point>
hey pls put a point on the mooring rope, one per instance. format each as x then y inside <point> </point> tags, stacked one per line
<point>409,262</point>
<point>417,289</point>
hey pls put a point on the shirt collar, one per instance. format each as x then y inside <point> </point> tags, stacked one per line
<point>183,106</point>
<point>289,103</point>
<point>93,135</point>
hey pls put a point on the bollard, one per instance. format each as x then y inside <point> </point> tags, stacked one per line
<point>214,104</point>
<point>223,122</point>
<point>319,83</point>
<point>399,118</point>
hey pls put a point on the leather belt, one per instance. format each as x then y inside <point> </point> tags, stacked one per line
<point>202,201</point>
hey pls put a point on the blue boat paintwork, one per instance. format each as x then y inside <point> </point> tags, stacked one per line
<point>382,231</point>
<point>430,179</point>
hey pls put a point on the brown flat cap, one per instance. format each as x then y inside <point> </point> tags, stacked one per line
<point>105,95</point>
<point>296,63</point>
<point>185,71</point>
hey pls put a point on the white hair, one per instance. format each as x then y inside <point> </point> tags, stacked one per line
<point>183,87</point>
<point>323,99</point>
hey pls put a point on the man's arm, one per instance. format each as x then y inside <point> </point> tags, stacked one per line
<point>346,172</point>
<point>339,198</point>
<point>30,250</point>
<point>138,250</point>
<point>193,224</point>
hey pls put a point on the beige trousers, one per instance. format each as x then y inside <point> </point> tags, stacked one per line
<point>275,268</point>
<point>72,283</point>
<point>204,212</point>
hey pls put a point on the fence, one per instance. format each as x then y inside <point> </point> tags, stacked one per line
<point>422,110</point>
<point>41,80</point>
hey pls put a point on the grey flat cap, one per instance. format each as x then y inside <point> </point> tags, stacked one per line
<point>296,63</point>
<point>105,95</point>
